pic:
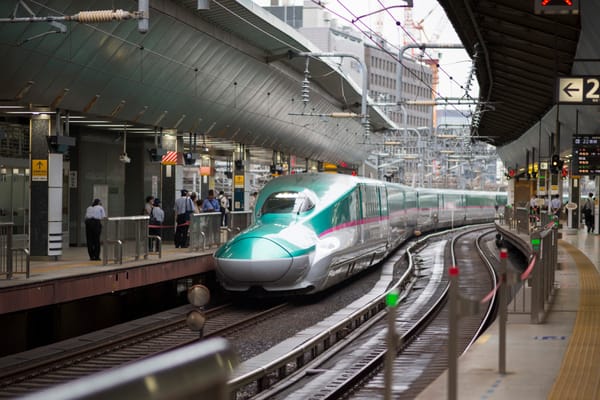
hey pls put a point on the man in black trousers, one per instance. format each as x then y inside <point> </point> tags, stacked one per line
<point>183,209</point>
<point>93,228</point>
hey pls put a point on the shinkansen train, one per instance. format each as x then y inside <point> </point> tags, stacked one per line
<point>312,231</point>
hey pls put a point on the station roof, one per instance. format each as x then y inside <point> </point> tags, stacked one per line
<point>224,72</point>
<point>519,56</point>
<point>280,42</point>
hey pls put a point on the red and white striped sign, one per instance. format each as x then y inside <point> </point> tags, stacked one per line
<point>170,158</point>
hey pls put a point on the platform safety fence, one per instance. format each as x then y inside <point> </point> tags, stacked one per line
<point>127,238</point>
<point>13,260</point>
<point>124,238</point>
<point>532,290</point>
<point>208,230</point>
<point>522,220</point>
<point>544,242</point>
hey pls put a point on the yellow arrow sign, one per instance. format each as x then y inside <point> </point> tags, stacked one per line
<point>39,170</point>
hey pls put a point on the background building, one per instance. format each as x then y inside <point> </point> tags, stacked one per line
<point>429,147</point>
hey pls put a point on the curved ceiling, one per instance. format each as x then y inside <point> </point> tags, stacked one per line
<point>519,56</point>
<point>224,72</point>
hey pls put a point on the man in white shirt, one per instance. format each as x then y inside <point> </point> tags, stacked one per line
<point>183,209</point>
<point>93,228</point>
<point>555,205</point>
<point>224,206</point>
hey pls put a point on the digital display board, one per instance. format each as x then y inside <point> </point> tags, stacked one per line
<point>586,154</point>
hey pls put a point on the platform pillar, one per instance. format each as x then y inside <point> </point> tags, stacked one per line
<point>45,212</point>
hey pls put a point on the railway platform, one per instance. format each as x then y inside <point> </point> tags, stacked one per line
<point>74,276</point>
<point>556,359</point>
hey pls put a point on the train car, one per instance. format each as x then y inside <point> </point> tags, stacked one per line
<point>312,231</point>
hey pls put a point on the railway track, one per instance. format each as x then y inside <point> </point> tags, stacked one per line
<point>114,351</point>
<point>418,282</point>
<point>353,367</point>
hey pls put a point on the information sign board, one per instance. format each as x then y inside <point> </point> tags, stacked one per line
<point>578,90</point>
<point>586,154</point>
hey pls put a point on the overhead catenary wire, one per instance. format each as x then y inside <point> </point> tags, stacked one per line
<point>370,33</point>
<point>399,24</point>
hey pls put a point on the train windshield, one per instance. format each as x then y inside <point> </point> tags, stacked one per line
<point>287,203</point>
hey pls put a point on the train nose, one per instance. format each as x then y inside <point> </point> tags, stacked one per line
<point>253,260</point>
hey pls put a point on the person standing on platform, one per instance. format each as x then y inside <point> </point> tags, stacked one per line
<point>157,216</point>
<point>93,228</point>
<point>556,205</point>
<point>224,206</point>
<point>193,197</point>
<point>588,212</point>
<point>252,201</point>
<point>210,204</point>
<point>149,204</point>
<point>183,209</point>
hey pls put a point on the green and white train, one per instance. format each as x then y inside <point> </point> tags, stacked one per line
<point>312,231</point>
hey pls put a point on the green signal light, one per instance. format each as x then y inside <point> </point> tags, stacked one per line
<point>392,298</point>
<point>535,242</point>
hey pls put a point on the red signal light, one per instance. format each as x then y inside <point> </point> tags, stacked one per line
<point>556,6</point>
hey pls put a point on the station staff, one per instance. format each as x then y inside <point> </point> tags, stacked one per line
<point>93,228</point>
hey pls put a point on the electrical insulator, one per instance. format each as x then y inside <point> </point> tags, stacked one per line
<point>305,91</point>
<point>306,84</point>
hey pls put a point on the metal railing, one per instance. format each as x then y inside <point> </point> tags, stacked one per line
<point>532,290</point>
<point>509,217</point>
<point>206,230</point>
<point>125,237</point>
<point>522,220</point>
<point>197,371</point>
<point>545,250</point>
<point>12,260</point>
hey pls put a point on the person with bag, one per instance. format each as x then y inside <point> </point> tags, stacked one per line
<point>183,210</point>
<point>157,216</point>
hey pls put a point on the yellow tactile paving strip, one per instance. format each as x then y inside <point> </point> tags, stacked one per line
<point>579,376</point>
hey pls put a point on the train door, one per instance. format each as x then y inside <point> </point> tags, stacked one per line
<point>382,196</point>
<point>362,214</point>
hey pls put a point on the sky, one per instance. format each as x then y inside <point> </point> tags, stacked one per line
<point>455,64</point>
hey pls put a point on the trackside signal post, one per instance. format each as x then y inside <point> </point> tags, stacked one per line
<point>391,300</point>
<point>503,311</point>
<point>458,307</point>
